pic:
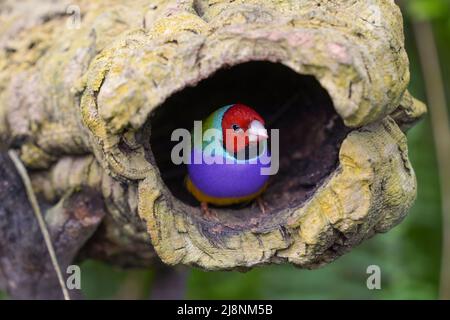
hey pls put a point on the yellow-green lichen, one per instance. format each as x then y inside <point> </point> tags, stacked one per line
<point>72,98</point>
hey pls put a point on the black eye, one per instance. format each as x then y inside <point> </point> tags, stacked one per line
<point>236,127</point>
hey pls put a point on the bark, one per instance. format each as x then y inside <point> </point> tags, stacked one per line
<point>25,266</point>
<point>93,107</point>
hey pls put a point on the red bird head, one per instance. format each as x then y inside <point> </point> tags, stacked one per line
<point>241,125</point>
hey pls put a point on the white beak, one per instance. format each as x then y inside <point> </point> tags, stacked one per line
<point>256,131</point>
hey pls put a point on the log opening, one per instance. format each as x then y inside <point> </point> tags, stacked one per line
<point>310,132</point>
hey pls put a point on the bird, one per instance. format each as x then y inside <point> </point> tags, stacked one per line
<point>228,173</point>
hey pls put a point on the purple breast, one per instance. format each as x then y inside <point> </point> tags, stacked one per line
<point>227,180</point>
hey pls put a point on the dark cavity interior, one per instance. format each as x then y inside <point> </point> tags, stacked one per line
<point>310,132</point>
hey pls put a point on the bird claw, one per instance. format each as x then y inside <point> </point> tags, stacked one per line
<point>207,213</point>
<point>262,205</point>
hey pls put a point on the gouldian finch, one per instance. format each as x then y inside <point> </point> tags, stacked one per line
<point>223,177</point>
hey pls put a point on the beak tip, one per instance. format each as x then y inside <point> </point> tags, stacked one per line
<point>257,131</point>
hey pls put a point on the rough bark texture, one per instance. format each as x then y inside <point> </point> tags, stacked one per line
<point>79,104</point>
<point>25,266</point>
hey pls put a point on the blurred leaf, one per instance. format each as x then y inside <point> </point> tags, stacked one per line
<point>100,281</point>
<point>225,285</point>
<point>428,9</point>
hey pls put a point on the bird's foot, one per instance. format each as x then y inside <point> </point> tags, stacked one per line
<point>207,212</point>
<point>262,205</point>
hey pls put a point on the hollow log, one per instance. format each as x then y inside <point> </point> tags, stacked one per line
<point>90,102</point>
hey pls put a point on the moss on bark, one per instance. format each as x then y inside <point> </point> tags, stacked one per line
<point>81,100</point>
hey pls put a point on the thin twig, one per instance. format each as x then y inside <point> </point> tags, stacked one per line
<point>37,211</point>
<point>437,103</point>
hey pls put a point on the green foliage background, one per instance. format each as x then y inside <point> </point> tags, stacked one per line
<point>409,255</point>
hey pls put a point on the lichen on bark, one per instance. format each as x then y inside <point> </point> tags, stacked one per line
<point>79,102</point>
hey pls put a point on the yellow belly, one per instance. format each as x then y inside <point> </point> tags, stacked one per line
<point>202,197</point>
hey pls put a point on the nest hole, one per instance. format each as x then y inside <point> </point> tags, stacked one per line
<point>310,132</point>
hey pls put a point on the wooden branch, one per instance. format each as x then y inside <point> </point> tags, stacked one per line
<point>24,260</point>
<point>95,107</point>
